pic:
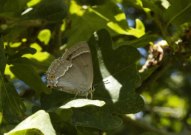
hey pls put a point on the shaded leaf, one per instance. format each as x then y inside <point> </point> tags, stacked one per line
<point>178,12</point>
<point>121,64</point>
<point>3,60</point>
<point>87,131</point>
<point>139,42</point>
<point>91,2</point>
<point>27,73</point>
<point>150,133</point>
<point>153,6</point>
<point>12,8</point>
<point>95,118</point>
<point>38,123</point>
<point>48,101</point>
<point>21,52</point>
<point>42,10</point>
<point>61,119</point>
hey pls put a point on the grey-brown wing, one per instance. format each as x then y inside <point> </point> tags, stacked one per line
<point>76,50</point>
<point>79,77</point>
<point>73,72</point>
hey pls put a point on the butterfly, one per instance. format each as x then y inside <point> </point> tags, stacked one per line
<point>72,72</point>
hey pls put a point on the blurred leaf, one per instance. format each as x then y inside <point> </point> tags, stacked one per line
<point>42,11</point>
<point>3,59</point>
<point>10,8</point>
<point>153,6</point>
<point>139,29</point>
<point>26,132</point>
<point>91,2</point>
<point>95,118</point>
<point>150,133</point>
<point>26,72</point>
<point>91,19</point>
<point>86,131</point>
<point>23,51</point>
<point>81,103</point>
<point>139,42</point>
<point>33,2</point>
<point>38,124</point>
<point>13,102</point>
<point>178,12</point>
<point>44,36</point>
<point>1,116</point>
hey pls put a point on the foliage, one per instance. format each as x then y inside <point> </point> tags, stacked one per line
<point>140,50</point>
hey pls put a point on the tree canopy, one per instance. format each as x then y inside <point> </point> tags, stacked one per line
<point>140,52</point>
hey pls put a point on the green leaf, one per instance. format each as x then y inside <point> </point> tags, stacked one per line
<point>42,11</point>
<point>120,64</point>
<point>178,12</point>
<point>139,30</point>
<point>81,103</point>
<point>48,101</point>
<point>91,19</point>
<point>153,6</point>
<point>26,72</point>
<point>38,124</point>
<point>44,36</point>
<point>95,118</point>
<point>26,132</point>
<point>10,8</point>
<point>139,42</point>
<point>91,2</point>
<point>3,59</point>
<point>27,50</point>
<point>11,106</point>
<point>150,133</point>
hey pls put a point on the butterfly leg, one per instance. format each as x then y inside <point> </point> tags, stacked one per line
<point>91,93</point>
<point>76,94</point>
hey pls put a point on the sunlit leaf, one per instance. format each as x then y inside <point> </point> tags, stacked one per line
<point>139,29</point>
<point>38,124</point>
<point>44,36</point>
<point>81,103</point>
<point>107,16</point>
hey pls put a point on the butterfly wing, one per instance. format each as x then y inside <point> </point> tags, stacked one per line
<point>57,69</point>
<point>80,75</point>
<point>74,71</point>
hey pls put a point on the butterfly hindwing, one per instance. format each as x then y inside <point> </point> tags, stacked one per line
<point>73,72</point>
